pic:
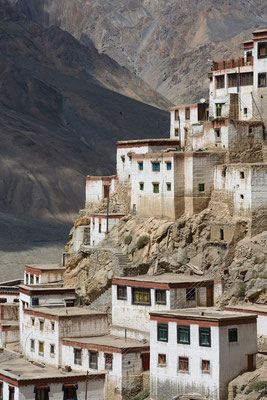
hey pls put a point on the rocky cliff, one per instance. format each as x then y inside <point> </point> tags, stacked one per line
<point>166,43</point>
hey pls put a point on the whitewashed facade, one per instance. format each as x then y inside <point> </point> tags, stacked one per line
<point>199,352</point>
<point>37,274</point>
<point>100,225</point>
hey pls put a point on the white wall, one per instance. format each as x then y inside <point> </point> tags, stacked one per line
<point>95,236</point>
<point>9,297</point>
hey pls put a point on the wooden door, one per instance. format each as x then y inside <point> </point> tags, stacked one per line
<point>146,361</point>
<point>209,299</point>
<point>250,362</point>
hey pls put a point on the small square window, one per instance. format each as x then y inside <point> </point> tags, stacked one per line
<point>183,334</point>
<point>155,187</point>
<point>121,292</point>
<point>262,52</point>
<point>140,166</point>
<point>250,130</point>
<point>201,187</point>
<point>245,110</point>
<point>190,294</point>
<point>205,366</point>
<point>93,359</point>
<point>156,166</point>
<point>187,113</point>
<point>176,115</point>
<point>204,337</point>
<point>262,80</point>
<point>52,350</point>
<point>77,356</point>
<point>163,332</point>
<point>32,345</point>
<point>141,185</point>
<point>242,174</point>
<point>169,187</point>
<point>232,335</point>
<point>218,133</point>
<point>108,361</point>
<point>242,197</point>
<point>160,296</point>
<point>183,364</point>
<point>162,359</point>
<point>176,132</point>
<point>168,165</point>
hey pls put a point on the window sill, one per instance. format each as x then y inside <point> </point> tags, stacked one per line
<point>162,365</point>
<point>183,372</point>
<point>206,372</point>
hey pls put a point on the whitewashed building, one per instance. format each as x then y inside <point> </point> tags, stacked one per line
<point>123,360</point>
<point>37,274</point>
<point>198,351</point>
<point>9,324</point>
<point>133,298</point>
<point>101,224</point>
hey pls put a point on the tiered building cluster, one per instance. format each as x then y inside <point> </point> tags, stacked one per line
<point>165,329</point>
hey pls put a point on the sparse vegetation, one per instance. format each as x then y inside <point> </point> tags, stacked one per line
<point>142,242</point>
<point>128,239</point>
<point>256,386</point>
<point>142,395</point>
<point>242,291</point>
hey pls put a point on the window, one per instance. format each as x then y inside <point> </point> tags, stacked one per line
<point>232,335</point>
<point>187,113</point>
<point>93,358</point>
<point>168,186</point>
<point>205,366</point>
<point>183,364</point>
<point>1,390</point>
<point>122,292</point>
<point>241,196</point>
<point>108,361</point>
<point>204,337</point>
<point>42,393</point>
<point>41,348</point>
<point>176,115</point>
<point>162,359</point>
<point>123,159</point>
<point>141,296</point>
<point>163,332</point>
<point>70,392</point>
<point>168,165</point>
<point>232,80</point>
<point>160,296</point>
<point>52,350</point>
<point>155,187</point>
<point>77,356</point>
<point>190,294</point>
<point>262,53</point>
<point>156,166</point>
<point>218,133</point>
<point>11,392</point>
<point>183,334</point>
<point>32,344</point>
<point>37,280</point>
<point>33,320</point>
<point>140,166</point>
<point>41,325</point>
<point>141,185</point>
<point>242,174</point>
<point>219,81</point>
<point>221,234</point>
<point>219,109</point>
<point>262,80</point>
<point>176,132</point>
<point>52,326</point>
<point>201,187</point>
<point>245,111</point>
<point>246,79</point>
<point>99,227</point>
<point>31,279</point>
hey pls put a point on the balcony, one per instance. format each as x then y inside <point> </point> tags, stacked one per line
<point>238,62</point>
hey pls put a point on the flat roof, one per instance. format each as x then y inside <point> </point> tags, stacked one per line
<point>166,278</point>
<point>46,288</point>
<point>173,108</point>
<point>260,30</point>
<point>203,313</point>
<point>64,311</point>
<point>254,308</point>
<point>20,371</point>
<point>148,142</point>
<point>44,267</point>
<point>108,341</point>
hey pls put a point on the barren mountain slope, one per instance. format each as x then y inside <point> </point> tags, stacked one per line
<point>166,42</point>
<point>57,120</point>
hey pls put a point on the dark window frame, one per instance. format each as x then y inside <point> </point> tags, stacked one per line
<point>141,185</point>
<point>232,335</point>
<point>262,45</point>
<point>168,165</point>
<point>261,75</point>
<point>108,365</point>
<point>155,166</point>
<point>246,79</point>
<point>168,186</point>
<point>163,294</point>
<point>138,290</point>
<point>155,187</point>
<point>122,288</point>
<point>201,187</point>
<point>92,364</point>
<point>203,366</point>
<point>75,352</point>
<point>140,165</point>
<point>180,328</point>
<point>206,331</point>
<point>162,356</point>
<point>232,80</point>
<point>218,108</point>
<point>176,115</point>
<point>162,327</point>
<point>176,132</point>
<point>187,113</point>
<point>182,362</point>
<point>220,81</point>
<point>190,294</point>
